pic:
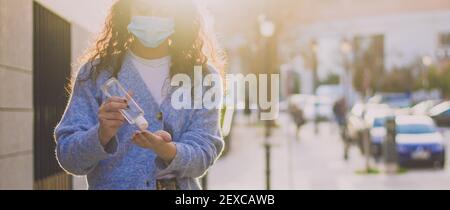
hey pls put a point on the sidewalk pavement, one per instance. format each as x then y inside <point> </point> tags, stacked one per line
<point>314,162</point>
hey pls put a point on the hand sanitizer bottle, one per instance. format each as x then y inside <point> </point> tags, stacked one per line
<point>134,114</point>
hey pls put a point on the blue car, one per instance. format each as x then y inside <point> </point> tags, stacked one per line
<point>376,117</point>
<point>419,142</point>
<point>377,136</point>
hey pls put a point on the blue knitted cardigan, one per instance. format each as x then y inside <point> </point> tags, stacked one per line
<point>122,165</point>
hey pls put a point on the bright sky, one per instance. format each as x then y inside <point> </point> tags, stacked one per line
<point>88,13</point>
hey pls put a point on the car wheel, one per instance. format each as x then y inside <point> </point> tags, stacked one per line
<point>443,161</point>
<point>440,164</point>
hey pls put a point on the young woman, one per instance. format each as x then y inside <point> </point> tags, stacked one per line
<point>144,44</point>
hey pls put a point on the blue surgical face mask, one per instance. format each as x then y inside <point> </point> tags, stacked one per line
<point>151,31</point>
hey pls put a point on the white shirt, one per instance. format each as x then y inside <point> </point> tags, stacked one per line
<point>155,73</point>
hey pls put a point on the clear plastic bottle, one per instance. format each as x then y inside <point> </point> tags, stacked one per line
<point>134,114</point>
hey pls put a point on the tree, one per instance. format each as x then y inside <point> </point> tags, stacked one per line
<point>332,79</point>
<point>438,78</point>
<point>368,63</point>
<point>398,80</point>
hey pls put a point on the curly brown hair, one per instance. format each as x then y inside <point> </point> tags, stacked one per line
<point>190,45</point>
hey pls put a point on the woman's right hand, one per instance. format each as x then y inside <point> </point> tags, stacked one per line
<point>110,118</point>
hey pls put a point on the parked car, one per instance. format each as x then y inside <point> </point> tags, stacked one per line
<point>353,128</point>
<point>361,119</point>
<point>394,100</point>
<point>424,107</point>
<point>419,142</point>
<point>371,110</point>
<point>314,107</point>
<point>441,114</point>
<point>377,120</point>
<point>333,92</point>
<point>377,136</point>
<point>305,102</point>
<point>324,108</point>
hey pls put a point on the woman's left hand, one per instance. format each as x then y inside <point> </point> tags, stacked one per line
<point>160,142</point>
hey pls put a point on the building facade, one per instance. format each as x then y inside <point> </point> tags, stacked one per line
<point>32,45</point>
<point>411,31</point>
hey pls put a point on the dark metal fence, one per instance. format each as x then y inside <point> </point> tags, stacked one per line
<point>52,67</point>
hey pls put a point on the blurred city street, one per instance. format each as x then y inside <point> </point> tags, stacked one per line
<point>374,76</point>
<point>314,162</point>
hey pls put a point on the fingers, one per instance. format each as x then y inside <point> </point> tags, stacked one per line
<point>147,139</point>
<point>109,113</point>
<point>116,99</point>
<point>112,123</point>
<point>151,137</point>
<point>141,140</point>
<point>112,116</point>
<point>113,106</point>
<point>164,135</point>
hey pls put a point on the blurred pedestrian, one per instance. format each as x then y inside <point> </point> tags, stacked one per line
<point>298,117</point>
<point>340,111</point>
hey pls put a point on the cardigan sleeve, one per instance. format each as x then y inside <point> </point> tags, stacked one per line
<point>78,147</point>
<point>198,148</point>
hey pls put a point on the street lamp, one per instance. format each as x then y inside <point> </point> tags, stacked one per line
<point>427,61</point>
<point>266,27</point>
<point>314,65</point>
<point>267,30</point>
<point>315,47</point>
<point>346,50</point>
<point>346,47</point>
